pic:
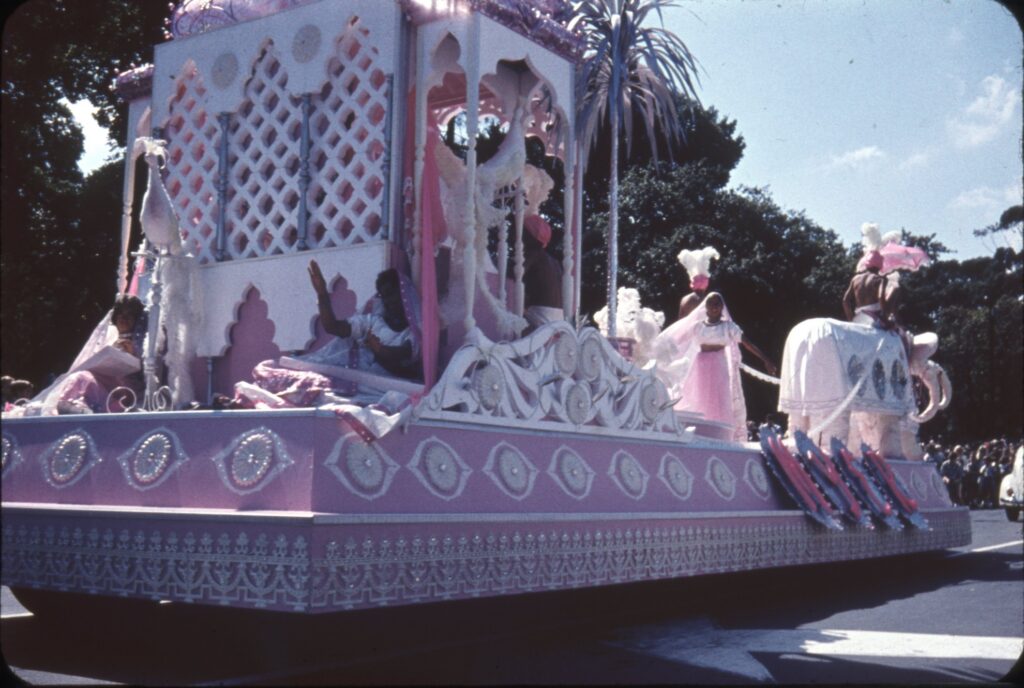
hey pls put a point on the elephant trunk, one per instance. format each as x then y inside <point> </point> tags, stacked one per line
<point>940,392</point>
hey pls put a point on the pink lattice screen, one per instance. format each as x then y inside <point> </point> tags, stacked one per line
<point>347,137</point>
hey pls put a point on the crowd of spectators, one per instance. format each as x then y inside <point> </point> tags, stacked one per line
<point>972,472</point>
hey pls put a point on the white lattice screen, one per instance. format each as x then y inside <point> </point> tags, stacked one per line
<point>346,160</point>
<point>263,155</point>
<point>192,139</point>
<point>348,142</point>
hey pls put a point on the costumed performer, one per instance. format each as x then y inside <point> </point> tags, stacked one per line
<point>542,274</point>
<point>698,267</point>
<point>868,300</point>
<point>109,361</point>
<point>384,341</point>
<point>698,360</point>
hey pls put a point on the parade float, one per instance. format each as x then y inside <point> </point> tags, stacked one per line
<point>279,132</point>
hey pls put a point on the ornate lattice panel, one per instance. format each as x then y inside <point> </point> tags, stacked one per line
<point>264,159</point>
<point>264,185</point>
<point>192,140</point>
<point>347,129</point>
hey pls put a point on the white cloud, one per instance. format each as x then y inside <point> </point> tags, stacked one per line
<point>858,158</point>
<point>986,116</point>
<point>914,161</point>
<point>989,198</point>
<point>96,146</point>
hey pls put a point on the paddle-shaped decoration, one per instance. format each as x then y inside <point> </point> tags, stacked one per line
<point>897,491</point>
<point>790,474</point>
<point>830,481</point>
<point>863,485</point>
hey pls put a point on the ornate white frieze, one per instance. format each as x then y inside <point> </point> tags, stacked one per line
<point>554,378</point>
<point>253,568</point>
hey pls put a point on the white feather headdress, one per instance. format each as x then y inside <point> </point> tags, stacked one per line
<point>873,239</point>
<point>698,262</point>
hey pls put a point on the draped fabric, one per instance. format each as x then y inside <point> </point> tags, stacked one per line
<point>705,382</point>
<point>98,368</point>
<point>432,227</point>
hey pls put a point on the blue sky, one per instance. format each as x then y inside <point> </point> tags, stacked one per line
<point>902,112</point>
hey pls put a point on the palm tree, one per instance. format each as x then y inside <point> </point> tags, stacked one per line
<point>628,68</point>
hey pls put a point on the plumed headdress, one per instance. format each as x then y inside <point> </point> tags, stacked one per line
<point>886,253</point>
<point>698,265</point>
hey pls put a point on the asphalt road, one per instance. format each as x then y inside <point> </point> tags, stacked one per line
<point>947,617</point>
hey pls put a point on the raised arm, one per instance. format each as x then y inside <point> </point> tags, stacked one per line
<point>331,324</point>
<point>752,348</point>
<point>687,304</point>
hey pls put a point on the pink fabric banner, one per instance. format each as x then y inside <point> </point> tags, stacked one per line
<point>432,226</point>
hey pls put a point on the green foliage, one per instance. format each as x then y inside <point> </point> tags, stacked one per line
<point>975,307</point>
<point>56,50</point>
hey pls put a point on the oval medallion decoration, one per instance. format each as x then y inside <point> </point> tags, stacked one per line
<point>577,403</point>
<point>854,372</point>
<point>252,461</point>
<point>878,378</point>
<point>898,380</point>
<point>488,385</point>
<point>440,468</point>
<point>153,457</point>
<point>363,468</point>
<point>69,458</point>
<point>756,478</point>
<point>510,470</point>
<point>628,474</point>
<point>571,473</point>
<point>225,69</point>
<point>721,479</point>
<point>306,43</point>
<point>590,359</point>
<point>676,476</point>
<point>651,399</point>
<point>566,354</point>
<point>11,453</point>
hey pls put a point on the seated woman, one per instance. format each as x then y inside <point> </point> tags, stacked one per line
<point>699,359</point>
<point>111,360</point>
<point>383,342</point>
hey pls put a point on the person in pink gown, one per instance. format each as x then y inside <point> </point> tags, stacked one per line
<point>699,358</point>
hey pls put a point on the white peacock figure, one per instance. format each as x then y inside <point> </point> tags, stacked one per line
<point>173,293</point>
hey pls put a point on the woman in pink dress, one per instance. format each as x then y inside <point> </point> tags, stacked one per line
<point>699,359</point>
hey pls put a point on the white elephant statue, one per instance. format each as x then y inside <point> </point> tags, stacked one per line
<point>854,382</point>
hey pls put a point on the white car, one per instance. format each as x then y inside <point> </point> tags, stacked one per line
<point>1011,489</point>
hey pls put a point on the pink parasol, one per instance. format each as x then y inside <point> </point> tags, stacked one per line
<point>899,257</point>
